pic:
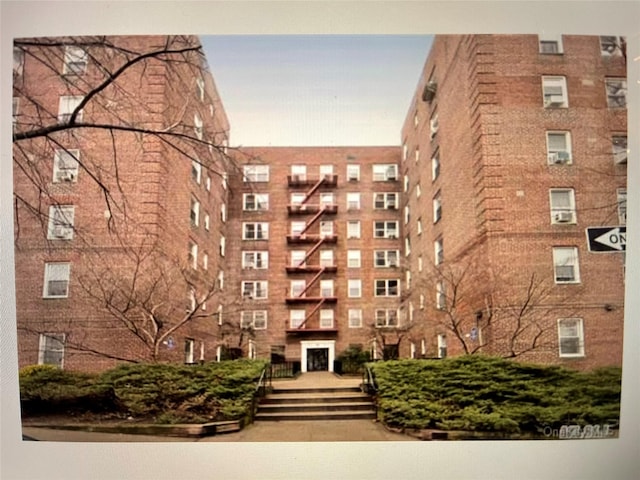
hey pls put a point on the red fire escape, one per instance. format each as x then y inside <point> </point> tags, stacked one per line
<point>312,235</point>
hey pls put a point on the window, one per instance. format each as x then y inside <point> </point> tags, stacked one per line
<point>438,247</point>
<point>208,184</point>
<point>442,346</point>
<point>298,173</point>
<point>406,184</point>
<point>418,190</point>
<point>297,228</point>
<point>326,318</point>
<point>386,318</point>
<point>196,171</point>
<point>353,229</point>
<point>18,61</point>
<point>56,280</point>
<point>255,202</point>
<point>326,258</point>
<point>554,91</point>
<point>207,222</point>
<point>353,173</point>
<point>15,110</point>
<point>254,290</point>
<point>205,261</point>
<point>611,45</point>
<point>419,226</point>
<point>353,201</point>
<point>189,346</point>
<point>570,337</point>
<point>565,264</point>
<point>298,258</point>
<point>434,125</point>
<point>193,255</point>
<point>417,154</point>
<point>620,151</point>
<point>385,201</point>
<point>221,280</point>
<point>616,92</point>
<point>223,243</point>
<point>195,212</point>
<point>563,208</point>
<point>60,222</point>
<point>255,319</point>
<point>223,180</point>
<point>622,206</point>
<point>382,173</point>
<point>407,246</point>
<point>385,229</point>
<point>385,258</point>
<point>255,260</point>
<point>441,299</point>
<point>405,151</point>
<point>407,214</point>
<point>558,148</point>
<point>200,87</point>
<point>67,106</point>
<point>353,258</point>
<point>296,318</point>
<point>219,314</point>
<point>421,304</point>
<point>355,318</point>
<point>326,229</point>
<point>354,287</point>
<point>197,126</point>
<point>387,288</point>
<point>420,263</point>
<point>256,173</point>
<point>326,200</point>
<point>297,288</point>
<point>223,213</point>
<point>75,61</point>
<point>408,279</point>
<point>326,171</point>
<point>297,198</point>
<point>255,231</point>
<point>435,165</point>
<point>51,349</point>
<point>251,350</point>
<point>416,119</point>
<point>550,44</point>
<point>437,208</point>
<point>326,288</point>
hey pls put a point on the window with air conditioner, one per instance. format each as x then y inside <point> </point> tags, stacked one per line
<point>353,258</point>
<point>326,172</point>
<point>387,288</point>
<point>297,227</point>
<point>51,349</point>
<point>385,172</point>
<point>437,208</point>
<point>255,260</point>
<point>326,229</point>
<point>255,231</point>
<point>353,229</point>
<point>385,229</point>
<point>255,202</point>
<point>550,44</point>
<point>435,165</point>
<point>75,61</point>
<point>353,201</point>
<point>565,265</point>
<point>254,290</point>
<point>355,318</point>
<point>554,91</point>
<point>56,280</point>
<point>353,173</point>
<point>620,150</point>
<point>298,173</point>
<point>255,173</point>
<point>386,317</point>
<point>326,200</point>
<point>570,337</point>
<point>385,258</point>
<point>253,319</point>
<point>354,288</point>
<point>622,205</point>
<point>563,208</point>
<point>66,106</point>
<point>616,89</point>
<point>60,222</point>
<point>611,45</point>
<point>559,148</point>
<point>388,201</point>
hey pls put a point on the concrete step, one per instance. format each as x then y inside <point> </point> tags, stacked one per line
<point>294,390</point>
<point>316,407</point>
<point>348,415</point>
<point>314,397</point>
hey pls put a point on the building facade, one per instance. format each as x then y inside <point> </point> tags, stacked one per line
<point>153,241</point>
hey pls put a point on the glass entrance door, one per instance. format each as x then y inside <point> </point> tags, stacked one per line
<point>317,359</point>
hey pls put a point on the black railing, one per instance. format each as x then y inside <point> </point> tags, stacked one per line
<point>369,384</point>
<point>284,369</point>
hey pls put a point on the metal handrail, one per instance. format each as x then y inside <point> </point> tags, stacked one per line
<point>369,380</point>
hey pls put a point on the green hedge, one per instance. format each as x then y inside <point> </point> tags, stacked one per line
<point>165,393</point>
<point>491,394</point>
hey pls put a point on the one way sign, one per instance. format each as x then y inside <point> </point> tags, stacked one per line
<point>607,239</point>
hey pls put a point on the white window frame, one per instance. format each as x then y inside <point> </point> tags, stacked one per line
<point>189,350</point>
<point>297,258</point>
<point>325,171</point>
<point>327,199</point>
<point>326,258</point>
<point>435,165</point>
<point>438,251</point>
<point>299,173</point>
<point>260,230</point>
<point>223,213</point>
<point>198,126</point>
<point>255,260</point>
<point>207,222</point>
<point>63,276</point>
<point>384,172</point>
<point>61,222</point>
<point>620,149</point>
<point>47,347</point>
<point>194,212</point>
<point>76,60</point>
<point>437,208</point>
<point>385,201</point>
<point>193,254</point>
<point>326,288</point>
<point>578,326</point>
<point>297,226</point>
<point>355,317</point>
<point>442,346</point>
<point>353,201</point>
<point>386,258</point>
<point>441,296</point>
<point>326,318</point>
<point>296,287</point>
<point>255,202</point>
<point>255,289</point>
<point>200,87</point>
<point>353,259</point>
<point>354,288</point>
<point>566,257</point>
<point>205,261</point>
<point>326,228</point>
<point>559,156</point>
<point>255,173</point>
<point>616,90</point>
<point>552,99</point>
<point>385,284</point>
<point>297,318</point>
<point>353,229</point>
<point>621,200</point>
<point>550,44</point>
<point>610,45</point>
<point>562,213</point>
<point>66,106</point>
<point>254,319</point>
<point>386,229</point>
<point>353,172</point>
<point>386,318</point>
<point>223,245</point>
<point>196,171</point>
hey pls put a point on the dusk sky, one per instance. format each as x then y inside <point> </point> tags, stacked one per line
<point>310,90</point>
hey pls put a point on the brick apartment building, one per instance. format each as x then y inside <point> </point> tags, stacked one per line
<point>468,237</point>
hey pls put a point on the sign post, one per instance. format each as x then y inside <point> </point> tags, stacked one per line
<point>607,239</point>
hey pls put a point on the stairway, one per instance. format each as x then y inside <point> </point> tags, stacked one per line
<point>316,396</point>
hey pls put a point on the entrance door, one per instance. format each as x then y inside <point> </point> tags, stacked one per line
<point>317,359</point>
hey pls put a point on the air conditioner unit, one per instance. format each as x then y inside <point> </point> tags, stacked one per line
<point>553,101</point>
<point>392,177</point>
<point>620,158</point>
<point>393,263</point>
<point>59,232</point>
<point>563,217</point>
<point>391,206</point>
<point>392,236</point>
<point>559,158</point>
<point>353,178</point>
<point>296,178</point>
<point>65,176</point>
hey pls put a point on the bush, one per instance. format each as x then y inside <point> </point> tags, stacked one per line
<point>492,394</point>
<point>353,359</point>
